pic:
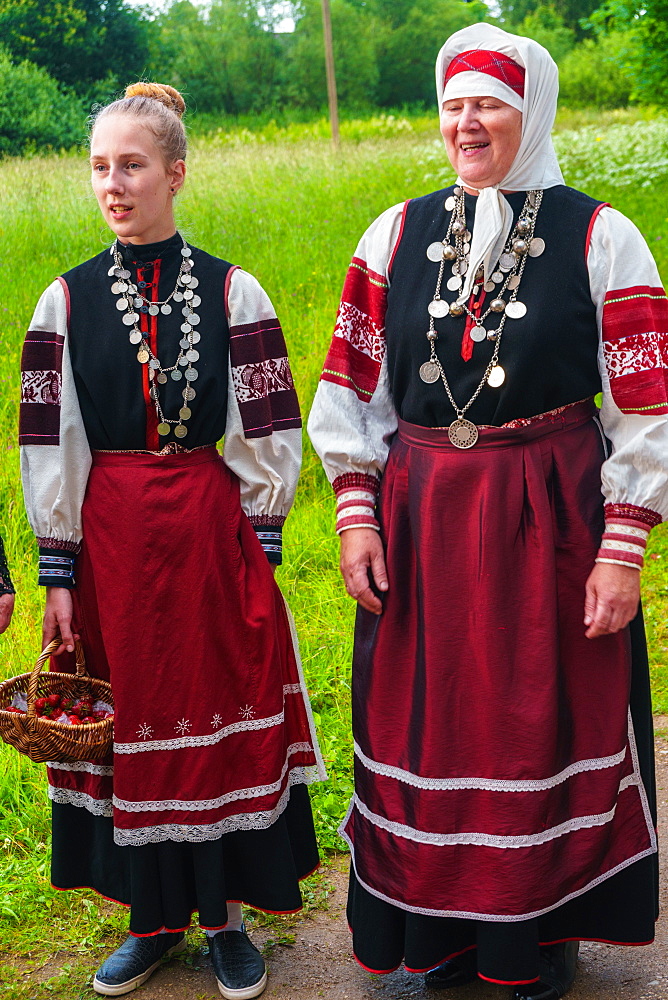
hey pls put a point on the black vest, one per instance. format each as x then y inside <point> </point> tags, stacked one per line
<point>108,376</point>
<point>549,356</point>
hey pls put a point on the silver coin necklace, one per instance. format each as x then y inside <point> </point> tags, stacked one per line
<point>132,302</point>
<point>505,278</point>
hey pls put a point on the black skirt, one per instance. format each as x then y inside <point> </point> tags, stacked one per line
<point>621,910</point>
<point>165,883</point>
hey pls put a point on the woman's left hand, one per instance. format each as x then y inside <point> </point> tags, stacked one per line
<point>6,609</point>
<point>612,595</point>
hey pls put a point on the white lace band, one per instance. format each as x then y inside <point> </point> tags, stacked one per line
<point>202,805</point>
<point>488,784</point>
<point>196,834</point>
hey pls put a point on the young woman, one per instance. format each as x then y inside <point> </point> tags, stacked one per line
<point>159,554</point>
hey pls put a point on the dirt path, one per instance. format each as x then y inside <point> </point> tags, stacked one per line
<point>319,963</point>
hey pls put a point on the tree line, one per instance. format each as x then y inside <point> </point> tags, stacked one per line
<point>59,60</point>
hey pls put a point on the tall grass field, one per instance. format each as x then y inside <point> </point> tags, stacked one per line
<point>285,206</point>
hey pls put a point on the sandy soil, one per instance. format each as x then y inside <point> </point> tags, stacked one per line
<point>319,962</point>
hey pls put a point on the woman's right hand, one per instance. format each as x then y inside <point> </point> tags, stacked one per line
<point>58,618</point>
<point>6,609</point>
<point>363,561</point>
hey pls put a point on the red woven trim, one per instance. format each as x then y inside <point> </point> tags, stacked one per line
<point>57,543</point>
<point>357,521</point>
<point>495,64</point>
<point>369,502</point>
<point>609,550</point>
<point>356,481</point>
<point>604,204</point>
<point>401,233</point>
<point>617,511</point>
<point>618,536</point>
<point>617,523</point>
<point>275,521</point>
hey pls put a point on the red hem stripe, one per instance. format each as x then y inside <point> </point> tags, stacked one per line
<point>67,298</point>
<point>401,233</point>
<point>593,219</point>
<point>509,982</point>
<point>71,888</point>
<point>226,293</point>
<point>375,972</point>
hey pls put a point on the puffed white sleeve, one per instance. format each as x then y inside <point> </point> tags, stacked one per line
<point>55,455</point>
<point>632,314</point>
<point>353,417</point>
<point>263,429</point>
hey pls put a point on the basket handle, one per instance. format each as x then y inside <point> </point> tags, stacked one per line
<point>43,657</point>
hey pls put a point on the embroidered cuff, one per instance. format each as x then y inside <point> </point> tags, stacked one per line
<point>356,496</point>
<point>629,512</point>
<point>625,537</point>
<point>623,543</point>
<point>270,532</point>
<point>56,567</point>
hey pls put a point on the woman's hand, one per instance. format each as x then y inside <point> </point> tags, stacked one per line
<point>363,561</point>
<point>58,618</point>
<point>6,609</point>
<point>612,594</point>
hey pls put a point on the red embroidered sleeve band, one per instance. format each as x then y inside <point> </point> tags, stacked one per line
<point>625,538</point>
<point>356,495</point>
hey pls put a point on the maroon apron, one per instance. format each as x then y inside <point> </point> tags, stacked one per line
<point>495,771</point>
<point>176,605</point>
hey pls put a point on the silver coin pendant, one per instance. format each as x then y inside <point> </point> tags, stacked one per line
<point>537,247</point>
<point>462,433</point>
<point>435,252</point>
<point>429,372</point>
<point>438,308</point>
<point>166,309</point>
<point>478,333</point>
<point>497,377</point>
<point>516,310</point>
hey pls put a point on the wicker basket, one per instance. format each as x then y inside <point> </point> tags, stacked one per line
<point>43,739</point>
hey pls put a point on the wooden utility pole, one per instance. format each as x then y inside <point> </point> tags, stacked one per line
<point>331,77</point>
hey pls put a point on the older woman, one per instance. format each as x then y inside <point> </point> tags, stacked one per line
<point>504,802</point>
<point>160,553</point>
<point>6,592</point>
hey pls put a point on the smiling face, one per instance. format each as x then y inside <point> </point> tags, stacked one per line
<point>482,136</point>
<point>133,185</point>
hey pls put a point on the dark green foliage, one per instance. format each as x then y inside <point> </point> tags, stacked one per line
<point>597,73</point>
<point>34,113</point>
<point>78,42</point>
<point>652,81</point>
<point>572,12</point>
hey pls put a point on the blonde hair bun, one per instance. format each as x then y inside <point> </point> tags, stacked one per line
<point>162,92</point>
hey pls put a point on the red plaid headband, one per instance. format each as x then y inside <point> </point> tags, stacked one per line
<point>495,64</point>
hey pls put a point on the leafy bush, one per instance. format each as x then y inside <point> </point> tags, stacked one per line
<point>34,113</point>
<point>598,72</point>
<point>547,28</point>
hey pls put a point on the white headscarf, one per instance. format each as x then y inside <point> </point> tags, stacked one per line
<point>535,166</point>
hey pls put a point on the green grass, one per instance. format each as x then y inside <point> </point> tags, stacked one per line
<point>284,206</point>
